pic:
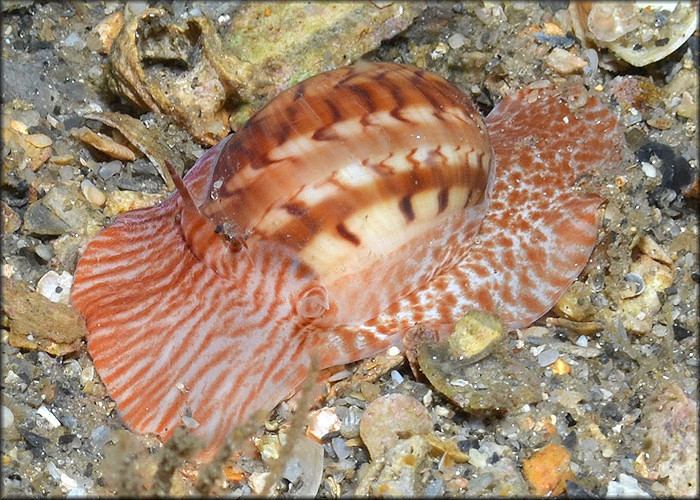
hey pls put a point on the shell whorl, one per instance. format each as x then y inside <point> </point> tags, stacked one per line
<point>358,171</point>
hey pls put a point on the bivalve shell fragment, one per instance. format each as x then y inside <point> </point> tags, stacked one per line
<point>638,32</point>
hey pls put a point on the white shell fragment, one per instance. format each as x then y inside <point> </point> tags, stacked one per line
<point>639,33</point>
<point>55,287</point>
<point>322,422</point>
<point>44,412</point>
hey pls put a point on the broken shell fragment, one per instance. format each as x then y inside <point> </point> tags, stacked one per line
<point>475,335</point>
<point>635,285</point>
<point>461,370</point>
<point>648,246</point>
<point>639,33</point>
<point>575,303</point>
<point>104,144</point>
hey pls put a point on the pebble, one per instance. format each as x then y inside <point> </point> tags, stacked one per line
<point>340,448</point>
<point>39,140</point>
<point>477,458</point>
<point>390,418</point>
<point>396,377</point>
<point>626,486</point>
<point>305,466</point>
<point>564,62</point>
<point>547,357</point>
<point>92,193</point>
<point>8,418</point>
<point>257,481</point>
<point>10,220</point>
<point>56,287</point>
<point>687,107</point>
<point>40,220</point>
<point>547,470</point>
<point>456,41</point>
<point>44,252</point>
<point>648,169</point>
<point>110,169</point>
<point>439,51</point>
<point>65,173</point>
<point>99,436</point>
<point>561,367</point>
<point>74,40</point>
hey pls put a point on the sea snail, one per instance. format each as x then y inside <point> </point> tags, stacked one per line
<point>354,206</point>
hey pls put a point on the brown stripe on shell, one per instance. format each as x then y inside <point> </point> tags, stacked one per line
<point>347,234</point>
<point>407,208</point>
<point>296,209</point>
<point>443,199</point>
<point>298,232</point>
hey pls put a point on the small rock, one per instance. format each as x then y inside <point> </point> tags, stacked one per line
<point>399,473</point>
<point>66,203</point>
<point>10,220</point>
<point>648,169</point>
<point>671,445</point>
<point>92,193</point>
<point>37,323</point>
<point>340,448</point>
<point>73,40</point>
<point>564,62</point>
<point>547,357</point>
<point>110,169</point>
<point>547,470</point>
<point>43,251</point>
<point>661,123</point>
<point>561,367</point>
<point>350,423</point>
<point>35,443</point>
<point>626,486</point>
<point>66,173</point>
<point>269,446</point>
<point>390,418</point>
<point>305,466</point>
<point>41,221</point>
<point>8,418</point>
<point>687,107</point>
<point>257,481</point>
<point>456,41</point>
<point>39,140</point>
<point>108,29</point>
<point>99,436</point>
<point>477,458</point>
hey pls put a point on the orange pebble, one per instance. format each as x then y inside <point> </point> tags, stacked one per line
<point>561,367</point>
<point>548,470</point>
